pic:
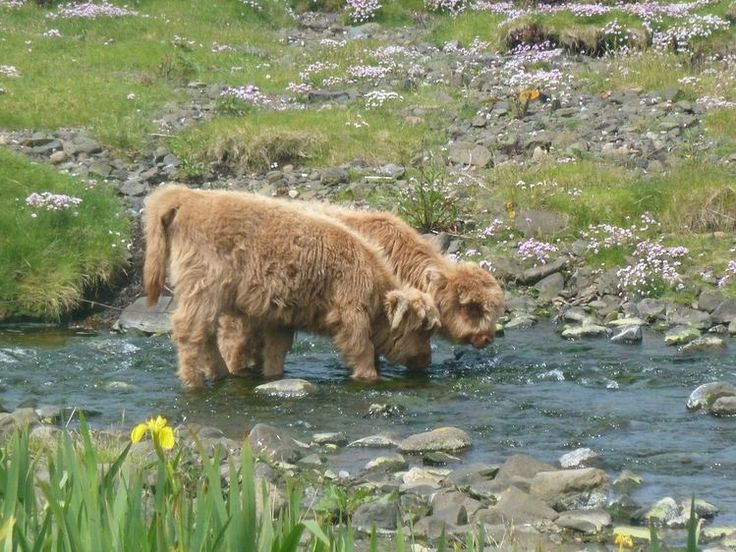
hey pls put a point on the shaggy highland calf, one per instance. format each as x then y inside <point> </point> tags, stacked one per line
<point>468,297</point>
<point>277,269</point>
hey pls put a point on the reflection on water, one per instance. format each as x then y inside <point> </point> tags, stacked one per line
<point>531,392</point>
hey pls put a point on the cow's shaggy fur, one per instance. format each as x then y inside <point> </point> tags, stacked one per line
<point>276,269</point>
<point>468,297</point>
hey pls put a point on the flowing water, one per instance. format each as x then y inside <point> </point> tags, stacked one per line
<point>531,392</point>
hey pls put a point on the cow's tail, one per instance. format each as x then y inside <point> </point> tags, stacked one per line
<point>160,210</point>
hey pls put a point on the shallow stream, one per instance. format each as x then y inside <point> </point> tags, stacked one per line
<point>531,392</point>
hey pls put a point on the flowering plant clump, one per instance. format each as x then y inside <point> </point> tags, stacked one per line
<point>715,102</point>
<point>656,268</point>
<point>606,236</point>
<point>252,4</point>
<point>729,276</point>
<point>362,10</point>
<point>250,95</point>
<point>376,98</point>
<point>538,251</point>
<point>11,3</point>
<point>161,432</point>
<point>88,10</point>
<point>9,71</point>
<point>52,33</point>
<point>453,7</point>
<point>52,202</point>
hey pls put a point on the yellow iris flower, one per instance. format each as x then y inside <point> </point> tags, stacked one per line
<point>161,433</point>
<point>623,541</point>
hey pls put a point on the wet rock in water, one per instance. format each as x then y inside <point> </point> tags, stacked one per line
<point>465,476</point>
<point>703,509</point>
<point>585,330</point>
<point>724,406</point>
<point>585,521</point>
<point>516,506</point>
<point>19,418</point>
<point>518,470</point>
<point>440,439</point>
<point>153,320</point>
<point>681,335</point>
<point>438,458</point>
<point>706,394</point>
<point>275,443</point>
<point>579,458</point>
<point>664,512</point>
<point>704,343</point>
<point>627,481</point>
<point>376,441</point>
<point>560,486</point>
<point>384,410</point>
<point>311,461</point>
<point>385,516</point>
<point>521,320</point>
<point>290,388</point>
<point>732,328</point>
<point>628,334</point>
<point>391,463</point>
<point>331,438</point>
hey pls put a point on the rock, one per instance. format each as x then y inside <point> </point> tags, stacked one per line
<point>681,335</point>
<point>334,176</point>
<point>521,320</point>
<point>663,512</point>
<point>709,300</point>
<point>133,188</point>
<point>383,515</point>
<point>438,458</point>
<point>627,481</point>
<point>332,438</point>
<point>288,388</point>
<point>517,507</point>
<point>550,286</point>
<point>276,444</point>
<point>445,499</point>
<point>377,441</point>
<point>554,486</point>
<point>392,171</point>
<point>637,534</point>
<point>20,417</point>
<point>704,343</point>
<point>585,521</point>
<point>540,222</point>
<point>464,476</point>
<point>467,153</point>
<point>392,463</point>
<point>650,309</point>
<point>153,320</point>
<point>318,96</point>
<point>585,330</point>
<point>679,315</point>
<point>443,439</point>
<point>535,274</point>
<point>703,509</point>
<point>705,395</point>
<point>725,313</point>
<point>723,406</point>
<point>578,458</point>
<point>517,470</point>
<point>628,334</point>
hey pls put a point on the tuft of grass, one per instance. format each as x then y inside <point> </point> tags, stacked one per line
<point>48,260</point>
<point>313,138</point>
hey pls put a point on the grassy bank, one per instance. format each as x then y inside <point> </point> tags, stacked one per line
<point>253,71</point>
<point>58,237</point>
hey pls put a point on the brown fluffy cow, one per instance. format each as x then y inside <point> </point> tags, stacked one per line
<point>277,269</point>
<point>468,297</point>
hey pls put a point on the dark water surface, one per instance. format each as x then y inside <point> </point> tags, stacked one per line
<point>532,392</point>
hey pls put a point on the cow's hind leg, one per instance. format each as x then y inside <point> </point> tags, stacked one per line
<point>276,344</point>
<point>195,333</point>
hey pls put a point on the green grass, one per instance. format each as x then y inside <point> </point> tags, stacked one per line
<point>47,262</point>
<point>311,138</point>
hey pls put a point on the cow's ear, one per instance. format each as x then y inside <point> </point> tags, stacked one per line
<point>397,305</point>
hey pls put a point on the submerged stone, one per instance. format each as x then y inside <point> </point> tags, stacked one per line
<point>706,394</point>
<point>288,388</point>
<point>681,335</point>
<point>440,439</point>
<point>704,343</point>
<point>628,334</point>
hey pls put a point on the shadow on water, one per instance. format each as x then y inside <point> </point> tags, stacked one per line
<point>531,392</point>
